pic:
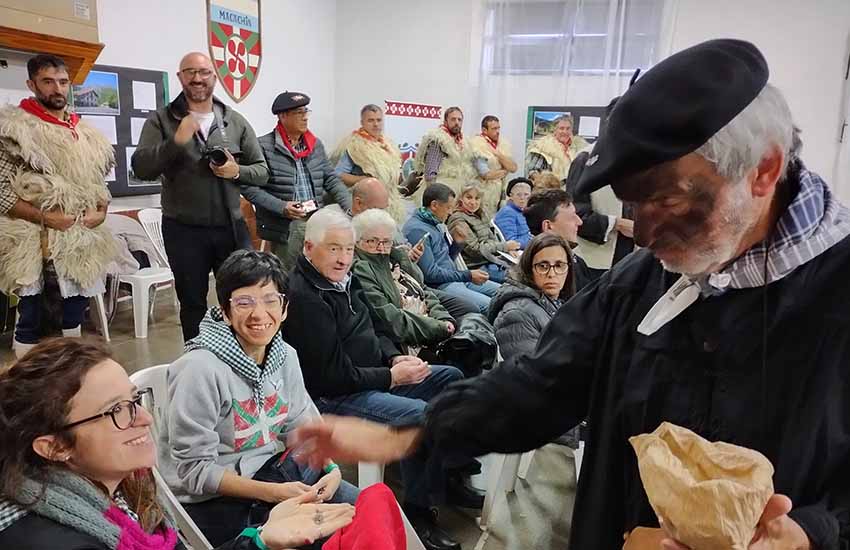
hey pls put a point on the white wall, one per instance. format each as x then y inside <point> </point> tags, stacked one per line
<point>401,49</point>
<point>806,47</point>
<point>298,49</point>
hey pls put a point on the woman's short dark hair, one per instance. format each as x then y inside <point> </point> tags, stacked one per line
<point>247,268</point>
<point>439,192</point>
<point>523,272</point>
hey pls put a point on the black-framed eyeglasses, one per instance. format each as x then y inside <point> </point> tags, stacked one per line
<point>543,268</point>
<point>272,302</point>
<point>382,243</point>
<point>203,73</point>
<point>123,413</point>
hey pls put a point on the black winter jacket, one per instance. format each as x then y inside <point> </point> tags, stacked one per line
<point>332,331</point>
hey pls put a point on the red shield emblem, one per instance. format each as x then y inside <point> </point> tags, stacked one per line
<point>235,45</point>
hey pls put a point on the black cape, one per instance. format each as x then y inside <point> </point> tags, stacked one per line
<point>703,371</point>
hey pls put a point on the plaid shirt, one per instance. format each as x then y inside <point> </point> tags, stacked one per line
<point>8,167</point>
<point>536,163</point>
<point>303,181</point>
<point>812,223</point>
<point>433,159</point>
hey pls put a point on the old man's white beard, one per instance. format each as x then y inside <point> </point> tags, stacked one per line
<point>714,251</point>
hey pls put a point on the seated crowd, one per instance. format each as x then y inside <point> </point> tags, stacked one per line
<point>335,344</point>
<point>349,315</point>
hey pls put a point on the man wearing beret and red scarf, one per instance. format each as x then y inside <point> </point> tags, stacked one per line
<point>300,177</point>
<point>731,321</point>
<point>53,200</point>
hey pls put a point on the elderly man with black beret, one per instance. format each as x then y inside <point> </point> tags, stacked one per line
<point>300,177</point>
<point>732,320</point>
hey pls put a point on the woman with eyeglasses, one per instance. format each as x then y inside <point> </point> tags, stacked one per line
<point>407,311</point>
<point>536,287</point>
<point>233,396</point>
<point>76,453</point>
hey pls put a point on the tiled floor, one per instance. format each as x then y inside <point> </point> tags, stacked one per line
<point>536,516</point>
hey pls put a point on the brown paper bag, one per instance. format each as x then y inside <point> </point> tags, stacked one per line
<point>709,495</point>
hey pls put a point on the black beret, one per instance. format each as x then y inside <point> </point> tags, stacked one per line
<point>675,108</point>
<point>289,100</point>
<point>517,181</point>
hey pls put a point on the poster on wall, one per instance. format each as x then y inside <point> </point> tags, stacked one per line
<point>406,122</point>
<point>117,101</point>
<point>98,95</point>
<point>234,31</point>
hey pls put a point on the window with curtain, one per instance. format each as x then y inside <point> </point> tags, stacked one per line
<point>571,36</point>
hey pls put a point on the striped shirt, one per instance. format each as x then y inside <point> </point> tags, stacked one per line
<point>303,181</point>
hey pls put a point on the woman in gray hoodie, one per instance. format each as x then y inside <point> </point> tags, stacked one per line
<point>536,287</point>
<point>233,397</point>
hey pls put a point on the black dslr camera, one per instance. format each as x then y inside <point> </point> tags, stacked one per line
<point>216,155</point>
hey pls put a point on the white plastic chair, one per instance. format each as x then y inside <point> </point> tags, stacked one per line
<point>151,220</point>
<point>156,378</point>
<point>499,235</point>
<point>142,281</point>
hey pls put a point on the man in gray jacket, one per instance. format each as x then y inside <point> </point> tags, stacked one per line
<point>202,151</point>
<point>300,176</point>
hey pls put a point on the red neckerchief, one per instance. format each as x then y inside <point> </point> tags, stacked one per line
<point>567,146</point>
<point>458,138</point>
<point>493,144</point>
<point>34,107</point>
<point>309,141</point>
<point>369,137</point>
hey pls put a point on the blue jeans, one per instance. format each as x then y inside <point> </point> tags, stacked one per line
<point>498,273</point>
<point>423,473</point>
<point>222,519</point>
<point>477,294</point>
<point>28,329</point>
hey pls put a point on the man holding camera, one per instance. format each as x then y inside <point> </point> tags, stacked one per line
<point>301,175</point>
<point>202,151</point>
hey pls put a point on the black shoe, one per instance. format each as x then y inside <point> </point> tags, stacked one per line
<point>458,493</point>
<point>424,522</point>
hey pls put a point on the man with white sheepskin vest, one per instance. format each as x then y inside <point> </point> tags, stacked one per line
<point>368,153</point>
<point>444,156</point>
<point>53,200</point>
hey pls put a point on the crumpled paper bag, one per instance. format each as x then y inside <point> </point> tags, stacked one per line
<point>709,495</point>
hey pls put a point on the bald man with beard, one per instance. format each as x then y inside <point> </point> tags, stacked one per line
<point>202,222</point>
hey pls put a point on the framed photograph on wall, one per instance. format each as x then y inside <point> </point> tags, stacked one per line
<point>98,95</point>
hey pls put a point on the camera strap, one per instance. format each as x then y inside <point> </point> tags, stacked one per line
<point>240,233</point>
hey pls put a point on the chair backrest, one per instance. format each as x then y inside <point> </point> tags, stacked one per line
<point>151,220</point>
<point>499,235</point>
<point>157,378</point>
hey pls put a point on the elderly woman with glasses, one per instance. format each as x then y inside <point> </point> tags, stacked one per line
<point>540,284</point>
<point>401,305</point>
<point>233,396</point>
<point>76,454</point>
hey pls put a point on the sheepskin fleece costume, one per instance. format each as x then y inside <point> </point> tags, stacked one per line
<point>457,168</point>
<point>57,171</point>
<point>492,189</point>
<point>381,159</point>
<point>551,149</point>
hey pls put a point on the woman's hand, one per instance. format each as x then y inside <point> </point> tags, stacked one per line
<point>279,492</point>
<point>298,522</point>
<point>326,487</point>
